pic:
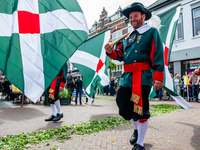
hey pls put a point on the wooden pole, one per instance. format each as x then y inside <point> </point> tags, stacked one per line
<point>112,44</point>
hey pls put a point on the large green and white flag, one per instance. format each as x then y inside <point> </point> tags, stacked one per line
<point>91,60</point>
<point>36,38</point>
<point>169,21</point>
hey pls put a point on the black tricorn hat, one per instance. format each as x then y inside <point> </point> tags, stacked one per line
<point>136,6</point>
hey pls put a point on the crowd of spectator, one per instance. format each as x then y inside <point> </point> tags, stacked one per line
<point>189,91</point>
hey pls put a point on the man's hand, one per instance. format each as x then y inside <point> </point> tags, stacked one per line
<point>109,48</point>
<point>61,89</point>
<point>158,84</point>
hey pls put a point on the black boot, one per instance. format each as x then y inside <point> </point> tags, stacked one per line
<point>138,147</point>
<point>58,117</point>
<point>134,137</point>
<point>51,118</point>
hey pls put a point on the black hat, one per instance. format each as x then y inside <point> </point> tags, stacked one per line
<point>136,7</point>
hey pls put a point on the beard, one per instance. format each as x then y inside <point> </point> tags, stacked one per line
<point>137,23</point>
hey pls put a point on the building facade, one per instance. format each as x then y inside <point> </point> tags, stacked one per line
<point>119,26</point>
<point>185,53</point>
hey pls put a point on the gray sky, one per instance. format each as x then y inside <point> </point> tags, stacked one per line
<point>92,8</point>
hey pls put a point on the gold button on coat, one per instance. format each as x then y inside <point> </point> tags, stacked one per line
<point>134,60</point>
<point>135,51</point>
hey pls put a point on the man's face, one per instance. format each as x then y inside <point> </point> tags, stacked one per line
<point>136,19</point>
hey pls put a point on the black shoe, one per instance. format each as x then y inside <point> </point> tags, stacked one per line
<point>51,118</point>
<point>58,117</point>
<point>134,137</point>
<point>138,147</point>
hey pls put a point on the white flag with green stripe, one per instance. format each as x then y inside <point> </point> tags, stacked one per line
<point>36,38</point>
<point>91,60</point>
<point>169,21</point>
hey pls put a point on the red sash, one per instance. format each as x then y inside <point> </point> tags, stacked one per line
<point>136,69</point>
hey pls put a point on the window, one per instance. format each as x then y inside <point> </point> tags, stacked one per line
<point>119,67</point>
<point>196,21</point>
<point>102,23</point>
<point>116,16</point>
<point>116,35</point>
<point>179,28</point>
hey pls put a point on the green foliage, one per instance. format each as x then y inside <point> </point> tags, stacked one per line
<point>159,109</point>
<point>112,66</point>
<point>107,99</point>
<point>64,94</point>
<point>24,141</point>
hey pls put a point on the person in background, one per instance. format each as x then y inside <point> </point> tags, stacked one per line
<point>141,52</point>
<point>73,95</point>
<point>112,84</point>
<point>70,83</point>
<point>106,89</point>
<point>195,85</point>
<point>159,94</point>
<point>6,87</point>
<point>57,86</point>
<point>177,83</point>
<point>78,86</point>
<point>92,100</point>
<point>116,84</point>
<point>197,71</point>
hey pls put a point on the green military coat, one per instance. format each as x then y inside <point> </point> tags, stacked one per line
<point>147,47</point>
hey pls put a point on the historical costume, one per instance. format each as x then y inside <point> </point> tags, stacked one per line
<point>53,94</point>
<point>142,53</point>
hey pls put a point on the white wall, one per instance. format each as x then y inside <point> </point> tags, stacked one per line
<point>186,8</point>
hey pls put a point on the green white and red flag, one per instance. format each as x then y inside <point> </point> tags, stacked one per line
<point>36,38</point>
<point>169,21</point>
<point>91,60</point>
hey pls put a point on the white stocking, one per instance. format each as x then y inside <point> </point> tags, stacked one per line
<point>57,103</point>
<point>142,129</point>
<point>53,107</point>
<point>134,122</point>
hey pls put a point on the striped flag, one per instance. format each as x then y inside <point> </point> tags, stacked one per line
<point>37,37</point>
<point>169,21</point>
<point>91,60</point>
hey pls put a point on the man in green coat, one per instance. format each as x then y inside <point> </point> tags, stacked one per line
<point>141,52</point>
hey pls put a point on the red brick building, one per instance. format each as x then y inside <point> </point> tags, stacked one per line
<point>118,25</point>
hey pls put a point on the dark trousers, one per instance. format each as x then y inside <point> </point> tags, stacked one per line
<point>87,98</point>
<point>126,106</point>
<point>106,89</point>
<point>195,91</point>
<point>80,95</point>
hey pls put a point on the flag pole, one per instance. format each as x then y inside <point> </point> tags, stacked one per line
<point>187,84</point>
<point>118,39</point>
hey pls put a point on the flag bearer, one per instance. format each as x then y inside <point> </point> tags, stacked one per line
<point>141,52</point>
<point>57,86</point>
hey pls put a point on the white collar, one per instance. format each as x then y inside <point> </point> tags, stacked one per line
<point>142,29</point>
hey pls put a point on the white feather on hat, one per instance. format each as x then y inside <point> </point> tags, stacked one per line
<point>155,22</point>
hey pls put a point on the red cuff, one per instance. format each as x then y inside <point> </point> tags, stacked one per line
<point>62,84</point>
<point>113,55</point>
<point>158,76</point>
<point>143,120</point>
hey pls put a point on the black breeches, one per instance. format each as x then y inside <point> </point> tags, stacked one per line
<point>126,106</point>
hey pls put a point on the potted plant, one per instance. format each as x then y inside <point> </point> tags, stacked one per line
<point>65,98</point>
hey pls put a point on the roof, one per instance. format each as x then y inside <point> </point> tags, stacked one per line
<point>158,4</point>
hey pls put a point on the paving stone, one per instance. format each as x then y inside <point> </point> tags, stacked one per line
<point>178,130</point>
